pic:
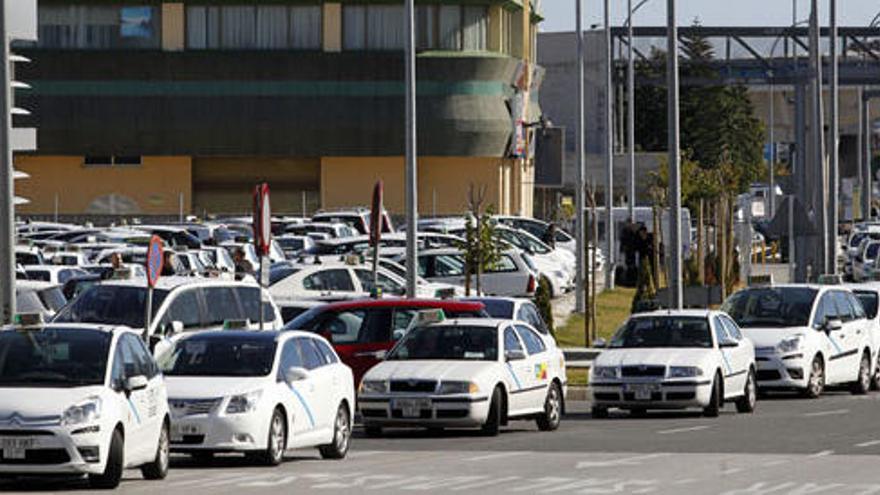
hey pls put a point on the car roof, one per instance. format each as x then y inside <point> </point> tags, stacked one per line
<point>447,305</point>
<point>175,281</point>
<point>98,327</point>
<point>33,285</point>
<point>700,313</point>
<point>474,322</point>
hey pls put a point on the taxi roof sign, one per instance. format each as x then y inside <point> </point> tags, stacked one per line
<point>830,279</point>
<point>28,320</point>
<point>766,279</point>
<point>236,324</point>
<point>430,316</point>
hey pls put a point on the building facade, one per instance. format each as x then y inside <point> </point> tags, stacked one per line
<point>147,107</point>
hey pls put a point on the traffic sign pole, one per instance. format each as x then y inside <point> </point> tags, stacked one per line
<point>155,260</point>
<point>262,238</point>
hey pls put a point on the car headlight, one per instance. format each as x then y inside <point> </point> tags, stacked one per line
<point>684,371</point>
<point>606,372</point>
<point>458,388</point>
<point>374,387</point>
<point>790,344</point>
<point>243,403</point>
<point>87,411</point>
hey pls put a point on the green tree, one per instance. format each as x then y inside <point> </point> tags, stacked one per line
<point>544,304</point>
<point>480,247</point>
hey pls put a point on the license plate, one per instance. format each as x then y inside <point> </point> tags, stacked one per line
<point>179,431</point>
<point>411,408</point>
<point>15,448</point>
<point>642,392</point>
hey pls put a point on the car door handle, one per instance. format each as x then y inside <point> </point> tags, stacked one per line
<point>372,354</point>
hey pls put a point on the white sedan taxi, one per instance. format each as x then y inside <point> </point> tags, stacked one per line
<point>81,399</point>
<point>465,373</point>
<point>675,360</point>
<point>258,393</point>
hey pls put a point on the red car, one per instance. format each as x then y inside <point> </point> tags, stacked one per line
<point>363,331</point>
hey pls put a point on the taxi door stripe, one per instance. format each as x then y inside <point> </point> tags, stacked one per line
<point>304,404</point>
<point>137,415</point>
<point>515,379</point>
<point>726,362</point>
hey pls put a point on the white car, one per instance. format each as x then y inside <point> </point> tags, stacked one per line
<point>81,399</point>
<point>336,281</point>
<point>869,295</point>
<point>805,336</point>
<point>56,274</point>
<point>675,360</point>
<point>516,308</point>
<point>259,393</point>
<point>180,305</point>
<point>864,265</point>
<point>465,373</point>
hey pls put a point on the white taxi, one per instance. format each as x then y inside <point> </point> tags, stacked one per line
<point>465,373</point>
<point>675,360</point>
<point>258,393</point>
<point>868,295</point>
<point>806,336</point>
<point>81,399</point>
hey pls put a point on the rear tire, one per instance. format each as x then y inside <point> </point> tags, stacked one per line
<point>714,407</point>
<point>341,435</point>
<point>746,403</point>
<point>112,474</point>
<point>493,421</point>
<point>552,416</point>
<point>158,469</point>
<point>862,385</point>
<point>816,383</point>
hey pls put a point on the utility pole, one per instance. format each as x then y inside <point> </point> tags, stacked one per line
<point>867,178</point>
<point>7,201</point>
<point>820,194</point>
<point>674,250</point>
<point>580,230</point>
<point>610,228</point>
<point>833,166</point>
<point>411,165</point>
<point>631,113</point>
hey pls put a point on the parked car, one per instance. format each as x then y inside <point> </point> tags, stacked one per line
<point>514,308</point>
<point>356,218</point>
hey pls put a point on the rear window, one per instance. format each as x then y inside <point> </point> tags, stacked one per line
<point>869,302</point>
<point>499,308</point>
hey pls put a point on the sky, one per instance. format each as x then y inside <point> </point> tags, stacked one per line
<point>559,14</point>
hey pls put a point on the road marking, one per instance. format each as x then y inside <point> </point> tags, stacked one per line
<point>682,430</point>
<point>485,483</point>
<point>626,461</point>
<point>731,471</point>
<point>824,453</point>
<point>868,444</point>
<point>499,455</point>
<point>826,413</point>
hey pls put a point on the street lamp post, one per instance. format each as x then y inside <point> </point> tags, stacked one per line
<point>610,229</point>
<point>411,166</point>
<point>675,252</point>
<point>631,107</point>
<point>580,230</point>
<point>833,172</point>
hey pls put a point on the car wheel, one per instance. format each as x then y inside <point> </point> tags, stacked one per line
<point>112,474</point>
<point>158,469</point>
<point>599,412</point>
<point>277,441</point>
<point>875,378</point>
<point>550,419</point>
<point>493,421</point>
<point>816,383</point>
<point>714,407</point>
<point>373,431</point>
<point>746,403</point>
<point>863,383</point>
<point>341,436</point>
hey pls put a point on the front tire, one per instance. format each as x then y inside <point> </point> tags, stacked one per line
<point>492,426</point>
<point>552,416</point>
<point>112,474</point>
<point>158,469</point>
<point>341,436</point>
<point>816,383</point>
<point>714,407</point>
<point>875,378</point>
<point>863,383</point>
<point>747,403</point>
<point>276,442</point>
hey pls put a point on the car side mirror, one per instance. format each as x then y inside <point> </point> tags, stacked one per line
<point>137,382</point>
<point>727,344</point>
<point>600,342</point>
<point>833,325</point>
<point>173,328</point>
<point>514,355</point>
<point>296,374</point>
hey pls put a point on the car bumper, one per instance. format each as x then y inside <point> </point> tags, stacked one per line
<point>220,433</point>
<point>439,411</point>
<point>669,394</point>
<point>56,451</point>
<point>789,371</point>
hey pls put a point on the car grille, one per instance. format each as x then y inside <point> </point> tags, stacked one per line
<point>451,413</point>
<point>423,414</point>
<point>631,397</point>
<point>768,375</point>
<point>423,386</point>
<point>190,440</point>
<point>190,407</point>
<point>680,395</point>
<point>25,433</point>
<point>40,456</point>
<point>765,350</point>
<point>637,371</point>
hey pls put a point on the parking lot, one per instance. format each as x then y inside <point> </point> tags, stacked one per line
<point>789,446</point>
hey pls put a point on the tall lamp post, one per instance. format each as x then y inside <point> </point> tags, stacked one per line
<point>675,252</point>
<point>610,228</point>
<point>580,238</point>
<point>411,166</point>
<point>631,107</point>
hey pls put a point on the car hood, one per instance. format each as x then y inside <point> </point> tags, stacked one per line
<point>428,370</point>
<point>210,387</point>
<point>655,356</point>
<point>42,404</point>
<point>770,337</point>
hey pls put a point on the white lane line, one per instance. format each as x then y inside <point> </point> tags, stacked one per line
<point>682,430</point>
<point>826,413</point>
<point>731,471</point>
<point>485,483</point>
<point>626,461</point>
<point>868,444</point>
<point>499,455</point>
<point>824,453</point>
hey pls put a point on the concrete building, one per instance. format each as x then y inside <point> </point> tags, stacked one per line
<point>145,107</point>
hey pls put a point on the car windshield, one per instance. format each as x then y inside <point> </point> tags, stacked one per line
<point>227,356</point>
<point>62,357</point>
<point>663,331</point>
<point>111,305</point>
<point>448,343</point>
<point>771,306</point>
<point>869,302</point>
<point>871,252</point>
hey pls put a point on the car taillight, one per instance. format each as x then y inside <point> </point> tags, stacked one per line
<point>531,285</point>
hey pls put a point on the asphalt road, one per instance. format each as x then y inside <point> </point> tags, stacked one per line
<point>789,446</point>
